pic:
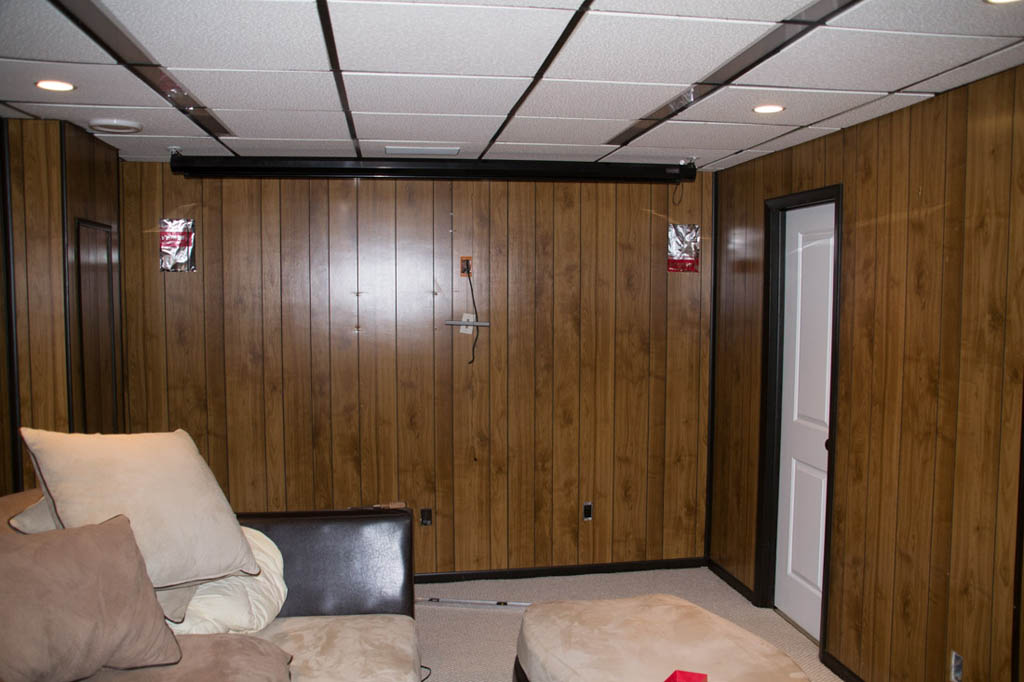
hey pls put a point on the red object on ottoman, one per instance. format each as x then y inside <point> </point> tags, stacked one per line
<point>683,676</point>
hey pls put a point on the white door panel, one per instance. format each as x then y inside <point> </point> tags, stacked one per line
<point>806,377</point>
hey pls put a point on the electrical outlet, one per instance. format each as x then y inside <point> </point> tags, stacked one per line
<point>465,266</point>
<point>467,329</point>
<point>588,511</point>
<point>426,516</point>
<point>956,668</point>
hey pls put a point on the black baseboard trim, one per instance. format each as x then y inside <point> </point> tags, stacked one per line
<point>732,581</point>
<point>841,671</point>
<point>550,571</point>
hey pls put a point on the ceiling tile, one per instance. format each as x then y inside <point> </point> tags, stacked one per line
<point>660,155</point>
<point>162,121</point>
<point>242,34</point>
<point>376,149</point>
<point>760,10</point>
<point>875,109</point>
<point>309,90</point>
<point>596,99</point>
<point>634,48</point>
<point>444,39</point>
<point>148,147</point>
<point>852,59</point>
<point>732,136</point>
<point>986,66</point>
<point>794,138</point>
<point>572,131</point>
<point>427,127</point>
<point>409,94</point>
<point>94,84</point>
<point>735,104</point>
<point>257,147</point>
<point>285,125</point>
<point>38,30</point>
<point>7,112</point>
<point>548,4</point>
<point>734,160</point>
<point>975,18</point>
<point>547,152</point>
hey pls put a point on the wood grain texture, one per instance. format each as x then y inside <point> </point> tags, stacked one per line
<point>320,344</point>
<point>377,374</point>
<point>249,471</point>
<point>273,355</point>
<point>212,246</point>
<point>976,498</point>
<point>335,381</point>
<point>472,465</point>
<point>566,346</point>
<point>657,489</point>
<point>414,230</point>
<point>928,429</point>
<point>295,344</point>
<point>344,350</point>
<point>498,337</point>
<point>544,368</point>
<point>683,435</point>
<point>632,370</point>
<point>185,321</point>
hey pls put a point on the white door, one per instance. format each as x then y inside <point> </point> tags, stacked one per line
<point>806,374</point>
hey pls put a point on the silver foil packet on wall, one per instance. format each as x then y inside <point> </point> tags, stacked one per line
<point>177,245</point>
<point>683,247</point>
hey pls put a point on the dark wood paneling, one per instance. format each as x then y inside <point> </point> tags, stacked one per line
<point>927,453</point>
<point>319,317</point>
<point>632,370</point>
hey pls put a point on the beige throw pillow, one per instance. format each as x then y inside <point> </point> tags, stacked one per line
<point>74,600</point>
<point>183,524</point>
<point>37,518</point>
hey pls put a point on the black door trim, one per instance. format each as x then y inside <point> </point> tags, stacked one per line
<point>774,301</point>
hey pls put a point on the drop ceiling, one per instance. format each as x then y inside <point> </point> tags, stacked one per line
<point>560,80</point>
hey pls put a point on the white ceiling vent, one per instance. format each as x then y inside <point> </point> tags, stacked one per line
<point>421,151</point>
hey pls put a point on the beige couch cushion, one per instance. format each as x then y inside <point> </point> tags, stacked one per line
<point>183,524</point>
<point>643,638</point>
<point>213,658</point>
<point>373,648</point>
<point>74,600</point>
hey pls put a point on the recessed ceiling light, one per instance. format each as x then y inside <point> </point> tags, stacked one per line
<point>1000,2</point>
<point>55,86</point>
<point>768,108</point>
<point>116,126</point>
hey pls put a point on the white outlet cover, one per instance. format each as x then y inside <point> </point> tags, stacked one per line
<point>467,317</point>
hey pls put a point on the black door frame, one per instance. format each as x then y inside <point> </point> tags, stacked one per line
<point>771,404</point>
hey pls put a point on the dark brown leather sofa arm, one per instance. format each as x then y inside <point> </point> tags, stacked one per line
<point>339,563</point>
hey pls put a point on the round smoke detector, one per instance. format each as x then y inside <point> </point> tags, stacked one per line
<point>116,126</point>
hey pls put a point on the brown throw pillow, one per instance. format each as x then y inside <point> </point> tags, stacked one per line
<point>74,600</point>
<point>214,658</point>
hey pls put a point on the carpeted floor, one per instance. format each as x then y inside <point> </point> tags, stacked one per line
<point>478,643</point>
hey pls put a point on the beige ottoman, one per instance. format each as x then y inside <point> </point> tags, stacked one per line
<point>641,639</point>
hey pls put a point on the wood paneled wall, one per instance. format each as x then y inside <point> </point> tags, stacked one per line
<point>924,525</point>
<point>57,172</point>
<point>38,257</point>
<point>309,358</point>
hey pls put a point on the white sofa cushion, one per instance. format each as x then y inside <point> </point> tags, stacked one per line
<point>239,603</point>
<point>372,648</point>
